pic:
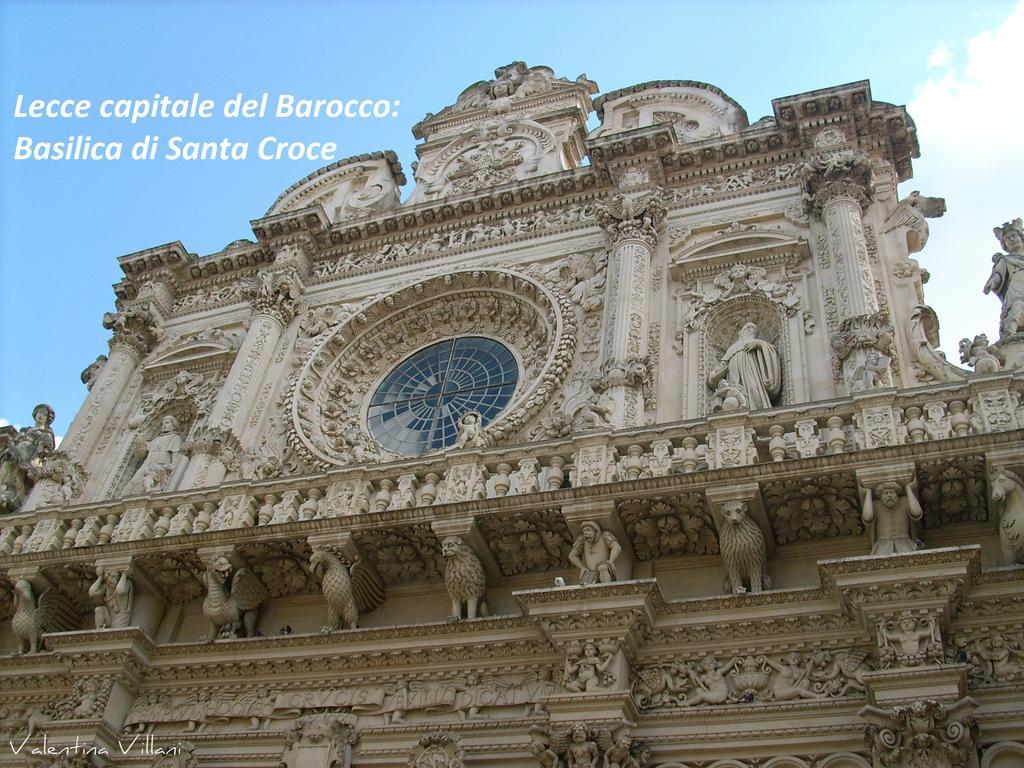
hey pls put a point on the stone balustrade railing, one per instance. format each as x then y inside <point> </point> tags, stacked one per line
<point>875,419</point>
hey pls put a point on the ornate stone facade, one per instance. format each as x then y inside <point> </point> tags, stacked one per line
<point>649,460</point>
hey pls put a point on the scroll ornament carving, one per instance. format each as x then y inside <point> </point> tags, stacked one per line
<point>632,215</point>
<point>741,280</point>
<point>743,549</point>
<point>437,750</point>
<point>581,276</point>
<point>1007,278</point>
<point>87,700</point>
<point>750,178</point>
<point>923,734</point>
<point>135,328</point>
<point>748,679</point>
<point>1007,491</point>
<point>929,363</point>
<point>464,579</point>
<point>594,552</point>
<point>233,598</point>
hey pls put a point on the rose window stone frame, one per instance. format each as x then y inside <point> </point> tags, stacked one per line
<point>328,399</point>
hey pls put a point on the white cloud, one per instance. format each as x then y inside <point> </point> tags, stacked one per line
<point>4,423</point>
<point>970,120</point>
<point>941,55</point>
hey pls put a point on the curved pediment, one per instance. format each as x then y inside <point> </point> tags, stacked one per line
<point>347,189</point>
<point>697,111</point>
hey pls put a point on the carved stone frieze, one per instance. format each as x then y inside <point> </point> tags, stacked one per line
<point>437,750</point>
<point>792,676</point>
<point>669,526</point>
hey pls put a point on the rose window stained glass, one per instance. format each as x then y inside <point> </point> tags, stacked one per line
<point>417,406</point>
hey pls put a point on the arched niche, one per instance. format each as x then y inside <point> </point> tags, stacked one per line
<point>786,762</point>
<point>1005,754</point>
<point>741,270</point>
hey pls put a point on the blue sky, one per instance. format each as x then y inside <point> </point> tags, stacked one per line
<point>63,223</point>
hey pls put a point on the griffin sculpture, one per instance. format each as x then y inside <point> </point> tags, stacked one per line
<point>232,600</point>
<point>54,612</point>
<point>348,589</point>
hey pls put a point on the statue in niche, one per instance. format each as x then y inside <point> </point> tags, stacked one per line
<point>750,364</point>
<point>162,454</point>
<point>892,517</point>
<point>25,450</point>
<point>594,552</point>
<point>114,591</point>
<point>471,432</point>
<point>1007,278</point>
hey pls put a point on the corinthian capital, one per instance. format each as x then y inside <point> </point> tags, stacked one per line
<point>632,215</point>
<point>135,328</point>
<point>836,173</point>
<point>276,292</point>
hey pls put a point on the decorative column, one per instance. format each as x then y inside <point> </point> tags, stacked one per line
<point>630,220</point>
<point>273,300</point>
<point>838,187</point>
<point>136,332</point>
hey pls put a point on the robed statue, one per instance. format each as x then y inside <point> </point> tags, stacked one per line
<point>752,365</point>
<point>1007,278</point>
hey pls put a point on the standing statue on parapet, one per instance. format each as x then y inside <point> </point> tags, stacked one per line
<point>24,451</point>
<point>1007,278</point>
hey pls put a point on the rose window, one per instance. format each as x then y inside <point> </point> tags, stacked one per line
<point>418,405</point>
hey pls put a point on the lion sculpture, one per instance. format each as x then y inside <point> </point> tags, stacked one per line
<point>743,550</point>
<point>464,579</point>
